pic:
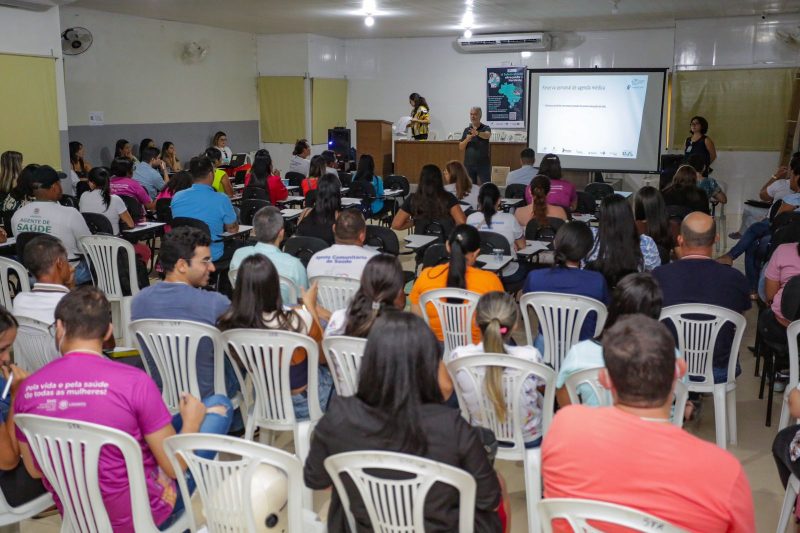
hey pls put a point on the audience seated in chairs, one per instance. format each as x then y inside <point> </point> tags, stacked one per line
<point>572,243</point>
<point>683,191</point>
<point>539,208</point>
<point>186,259</point>
<point>151,172</point>
<point>316,170</point>
<point>179,181</point>
<point>457,182</point>
<point>562,192</point>
<point>262,175</point>
<point>650,214</point>
<point>635,293</point>
<point>706,183</point>
<point>381,289</point>
<point>46,215</point>
<point>257,304</point>
<point>463,245</point>
<point>299,161</point>
<point>774,189</point>
<point>100,200</point>
<point>365,173</point>
<point>318,221</point>
<point>431,203</point>
<point>696,278</point>
<point>347,257</point>
<point>123,184</point>
<point>19,196</point>
<point>46,260</point>
<point>618,248</point>
<point>399,408</point>
<point>675,476</point>
<point>269,229</point>
<point>497,315</point>
<point>130,402</point>
<point>221,182</point>
<point>17,485</point>
<point>526,171</point>
<point>490,217</point>
<point>203,203</point>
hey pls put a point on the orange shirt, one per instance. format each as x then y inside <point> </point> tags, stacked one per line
<point>603,453</point>
<point>308,184</point>
<point>480,281</point>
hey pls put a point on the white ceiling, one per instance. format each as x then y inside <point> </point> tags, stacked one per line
<point>416,18</point>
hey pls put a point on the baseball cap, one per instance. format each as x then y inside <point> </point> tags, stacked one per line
<point>44,177</point>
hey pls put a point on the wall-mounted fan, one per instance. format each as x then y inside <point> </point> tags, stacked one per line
<point>75,41</point>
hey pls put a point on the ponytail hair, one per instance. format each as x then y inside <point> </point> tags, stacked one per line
<point>540,187</point>
<point>496,315</point>
<point>381,282</point>
<point>100,177</point>
<point>463,240</point>
<point>488,196</point>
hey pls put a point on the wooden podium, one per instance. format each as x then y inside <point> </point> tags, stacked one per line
<point>374,137</point>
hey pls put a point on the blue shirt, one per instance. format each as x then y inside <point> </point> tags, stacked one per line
<point>571,281</point>
<point>522,175</point>
<point>149,178</point>
<point>179,301</point>
<point>202,202</point>
<point>287,265</point>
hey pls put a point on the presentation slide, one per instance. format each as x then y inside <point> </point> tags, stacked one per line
<point>597,119</point>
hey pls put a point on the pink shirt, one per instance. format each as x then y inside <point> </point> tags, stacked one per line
<point>111,394</point>
<point>130,187</point>
<point>603,453</point>
<point>783,266</point>
<point>562,192</point>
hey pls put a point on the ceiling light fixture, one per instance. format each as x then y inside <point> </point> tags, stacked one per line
<point>467,33</point>
<point>526,54</point>
<point>369,21</point>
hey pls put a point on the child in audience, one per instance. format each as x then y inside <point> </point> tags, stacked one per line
<point>398,408</point>
<point>496,315</point>
<point>257,304</point>
<point>381,288</point>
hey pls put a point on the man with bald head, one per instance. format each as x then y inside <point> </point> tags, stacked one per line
<point>696,278</point>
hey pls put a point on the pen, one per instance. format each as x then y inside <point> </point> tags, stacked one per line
<point>7,387</point>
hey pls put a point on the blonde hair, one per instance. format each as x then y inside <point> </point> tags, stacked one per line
<point>458,175</point>
<point>495,311</point>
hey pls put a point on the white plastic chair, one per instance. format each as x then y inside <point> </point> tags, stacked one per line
<point>344,360</point>
<point>34,346</point>
<point>225,486</point>
<point>792,331</point>
<point>172,345</point>
<point>696,340</point>
<point>68,452</point>
<point>508,432</point>
<point>561,317</point>
<point>333,292</point>
<point>456,318</point>
<point>578,513</point>
<point>290,292</point>
<point>398,505</point>
<point>10,517</point>
<point>789,501</point>
<point>102,252</point>
<point>8,266</point>
<point>590,378</point>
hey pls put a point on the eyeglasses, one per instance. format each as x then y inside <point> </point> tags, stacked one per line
<point>51,329</point>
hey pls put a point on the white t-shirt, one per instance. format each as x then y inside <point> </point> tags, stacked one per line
<point>298,164</point>
<point>92,202</point>
<point>303,325</point>
<point>64,223</point>
<point>506,225</point>
<point>338,323</point>
<point>531,399</point>
<point>471,198</point>
<point>40,302</point>
<point>778,189</point>
<point>344,260</point>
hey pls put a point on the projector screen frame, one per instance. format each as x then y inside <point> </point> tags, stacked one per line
<point>662,70</point>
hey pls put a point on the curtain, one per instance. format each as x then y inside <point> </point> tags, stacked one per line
<point>29,109</point>
<point>328,107</point>
<point>281,102</point>
<point>746,109</point>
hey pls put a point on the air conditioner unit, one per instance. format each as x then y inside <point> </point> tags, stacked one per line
<point>34,5</point>
<point>506,42</point>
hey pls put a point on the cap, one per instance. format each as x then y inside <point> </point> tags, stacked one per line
<point>44,177</point>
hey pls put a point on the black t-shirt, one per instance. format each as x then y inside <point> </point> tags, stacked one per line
<point>410,207</point>
<point>477,152</point>
<point>693,197</point>
<point>310,227</point>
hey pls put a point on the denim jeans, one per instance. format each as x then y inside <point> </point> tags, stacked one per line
<point>213,424</point>
<point>83,274</point>
<point>754,244</point>
<point>300,401</point>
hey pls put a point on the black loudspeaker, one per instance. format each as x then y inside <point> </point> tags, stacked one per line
<point>339,142</point>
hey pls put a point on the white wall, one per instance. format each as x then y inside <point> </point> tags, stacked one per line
<point>37,34</point>
<point>134,74</point>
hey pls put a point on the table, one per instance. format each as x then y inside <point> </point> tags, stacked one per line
<point>292,188</point>
<point>583,217</point>
<point>290,214</point>
<point>511,203</point>
<point>143,228</point>
<point>349,202</point>
<point>532,247</point>
<point>243,231</point>
<point>492,264</point>
<point>391,193</point>
<point>417,242</point>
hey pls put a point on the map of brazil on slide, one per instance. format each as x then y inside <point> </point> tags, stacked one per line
<point>509,90</point>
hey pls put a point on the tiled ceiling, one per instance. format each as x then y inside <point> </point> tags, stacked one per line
<point>416,18</point>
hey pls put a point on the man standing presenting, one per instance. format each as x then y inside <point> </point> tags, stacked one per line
<point>475,145</point>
